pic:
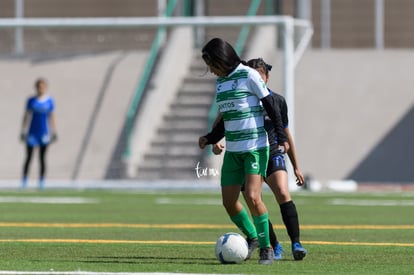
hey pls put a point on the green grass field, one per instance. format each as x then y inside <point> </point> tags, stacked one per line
<point>127,231</point>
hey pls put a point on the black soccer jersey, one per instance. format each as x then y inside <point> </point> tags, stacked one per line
<point>217,132</point>
<point>281,102</point>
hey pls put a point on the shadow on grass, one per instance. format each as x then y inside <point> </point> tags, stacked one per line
<point>149,260</point>
<point>161,260</point>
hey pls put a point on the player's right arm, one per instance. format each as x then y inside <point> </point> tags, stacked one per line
<point>273,112</point>
<point>216,134</point>
<point>300,179</point>
<point>52,123</point>
<point>25,122</point>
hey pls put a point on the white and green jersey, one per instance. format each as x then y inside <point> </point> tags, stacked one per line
<point>238,98</point>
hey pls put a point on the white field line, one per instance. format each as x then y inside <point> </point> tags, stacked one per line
<point>47,200</point>
<point>92,273</point>
<point>165,200</point>
<point>358,202</point>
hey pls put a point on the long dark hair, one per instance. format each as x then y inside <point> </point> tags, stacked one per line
<point>220,54</point>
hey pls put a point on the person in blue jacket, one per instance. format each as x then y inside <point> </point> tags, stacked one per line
<point>38,129</point>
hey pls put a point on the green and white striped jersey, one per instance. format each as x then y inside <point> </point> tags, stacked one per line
<point>238,98</point>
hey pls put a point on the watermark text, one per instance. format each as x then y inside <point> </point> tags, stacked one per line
<point>205,171</point>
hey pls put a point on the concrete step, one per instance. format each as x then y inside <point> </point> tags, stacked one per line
<point>183,125</point>
<point>177,122</point>
<point>168,136</point>
<point>203,106</point>
<point>174,150</point>
<point>174,153</point>
<point>166,173</point>
<point>184,116</point>
<point>200,87</point>
<point>178,161</point>
<point>189,110</point>
<point>181,143</point>
<point>192,92</point>
<point>195,98</point>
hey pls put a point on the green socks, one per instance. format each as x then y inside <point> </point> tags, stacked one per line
<point>262,226</point>
<point>244,223</point>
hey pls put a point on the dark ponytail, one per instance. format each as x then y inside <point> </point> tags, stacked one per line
<point>220,54</point>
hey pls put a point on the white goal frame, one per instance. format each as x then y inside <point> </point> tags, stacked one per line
<point>291,53</point>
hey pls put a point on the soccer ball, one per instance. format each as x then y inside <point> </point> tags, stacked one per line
<point>231,248</point>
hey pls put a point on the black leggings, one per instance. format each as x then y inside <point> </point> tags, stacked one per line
<point>42,156</point>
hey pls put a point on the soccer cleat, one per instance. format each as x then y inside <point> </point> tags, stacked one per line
<point>266,255</point>
<point>278,251</point>
<point>298,251</point>
<point>252,244</point>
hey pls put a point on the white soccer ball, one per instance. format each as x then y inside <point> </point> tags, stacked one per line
<point>231,248</point>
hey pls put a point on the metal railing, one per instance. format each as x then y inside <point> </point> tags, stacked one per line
<point>325,20</point>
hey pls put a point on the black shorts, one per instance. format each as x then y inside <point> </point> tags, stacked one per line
<point>276,161</point>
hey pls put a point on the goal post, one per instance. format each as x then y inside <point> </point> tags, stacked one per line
<point>293,44</point>
<point>291,52</point>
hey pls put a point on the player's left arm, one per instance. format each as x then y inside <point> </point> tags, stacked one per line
<point>274,115</point>
<point>25,121</point>
<point>300,179</point>
<point>52,122</point>
<point>258,87</point>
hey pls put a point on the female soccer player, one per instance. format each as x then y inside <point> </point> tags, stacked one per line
<point>38,128</point>
<point>277,177</point>
<point>240,92</point>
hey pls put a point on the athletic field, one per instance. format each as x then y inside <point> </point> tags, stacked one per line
<point>131,232</point>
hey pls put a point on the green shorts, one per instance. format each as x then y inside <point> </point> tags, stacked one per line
<point>237,165</point>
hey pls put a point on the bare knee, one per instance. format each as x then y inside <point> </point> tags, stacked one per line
<point>283,197</point>
<point>255,203</point>
<point>253,199</point>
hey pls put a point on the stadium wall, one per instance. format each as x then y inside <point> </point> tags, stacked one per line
<point>92,93</point>
<point>354,111</point>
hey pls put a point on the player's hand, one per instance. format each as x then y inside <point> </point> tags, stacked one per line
<point>300,179</point>
<point>202,142</point>
<point>283,148</point>
<point>53,137</point>
<point>23,137</point>
<point>218,148</point>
